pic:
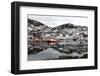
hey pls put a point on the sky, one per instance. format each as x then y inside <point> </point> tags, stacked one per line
<point>53,20</point>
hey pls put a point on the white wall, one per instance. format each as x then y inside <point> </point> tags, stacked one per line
<point>5,27</point>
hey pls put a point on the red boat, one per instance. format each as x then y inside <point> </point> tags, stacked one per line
<point>52,41</point>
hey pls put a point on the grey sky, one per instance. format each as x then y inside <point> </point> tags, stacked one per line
<point>53,21</point>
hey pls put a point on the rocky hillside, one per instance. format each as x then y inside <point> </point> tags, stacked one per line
<point>72,38</point>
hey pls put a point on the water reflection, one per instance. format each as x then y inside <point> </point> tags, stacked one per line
<point>52,50</point>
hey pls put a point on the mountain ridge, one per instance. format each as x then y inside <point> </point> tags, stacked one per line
<point>59,27</point>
